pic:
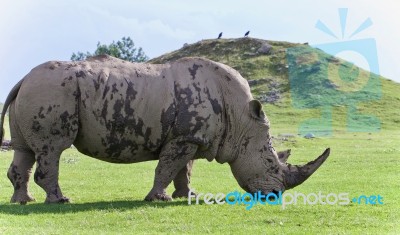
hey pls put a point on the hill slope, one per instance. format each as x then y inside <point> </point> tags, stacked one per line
<point>302,83</point>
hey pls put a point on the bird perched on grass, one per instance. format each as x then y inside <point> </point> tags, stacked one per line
<point>247,33</point>
<point>220,35</point>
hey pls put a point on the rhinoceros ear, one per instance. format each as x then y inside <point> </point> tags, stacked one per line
<point>255,108</point>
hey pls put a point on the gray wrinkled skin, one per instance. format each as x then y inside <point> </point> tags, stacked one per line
<point>123,112</point>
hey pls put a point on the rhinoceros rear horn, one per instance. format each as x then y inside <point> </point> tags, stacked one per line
<point>295,175</point>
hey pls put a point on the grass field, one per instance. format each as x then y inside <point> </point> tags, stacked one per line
<point>108,198</point>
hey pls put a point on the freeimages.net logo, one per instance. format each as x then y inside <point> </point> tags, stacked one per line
<point>321,81</point>
<point>250,200</point>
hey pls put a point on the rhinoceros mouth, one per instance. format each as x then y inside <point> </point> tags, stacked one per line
<point>273,195</point>
<point>265,190</point>
<point>267,195</point>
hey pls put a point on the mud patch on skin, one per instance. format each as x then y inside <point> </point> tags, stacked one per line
<point>36,127</point>
<point>77,94</point>
<point>80,74</point>
<point>55,132</point>
<point>193,70</point>
<point>45,149</point>
<point>104,111</point>
<point>199,123</point>
<point>69,123</point>
<point>114,88</point>
<point>71,65</point>
<point>14,176</point>
<point>189,123</point>
<point>198,89</point>
<point>123,122</point>
<point>84,103</point>
<point>39,174</point>
<point>246,142</point>
<point>91,72</point>
<point>54,64</point>
<point>184,116</point>
<point>96,84</point>
<point>115,146</point>
<point>106,89</point>
<point>130,96</point>
<point>184,96</point>
<point>217,108</point>
<point>101,79</point>
<point>180,152</point>
<point>167,122</point>
<point>64,117</point>
<point>66,79</point>
<point>40,114</point>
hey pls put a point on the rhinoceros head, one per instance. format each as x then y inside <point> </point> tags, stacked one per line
<point>257,166</point>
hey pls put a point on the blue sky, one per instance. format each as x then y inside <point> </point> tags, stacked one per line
<point>33,32</point>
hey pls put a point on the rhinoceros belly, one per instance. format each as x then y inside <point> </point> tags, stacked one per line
<point>120,140</point>
<point>126,151</point>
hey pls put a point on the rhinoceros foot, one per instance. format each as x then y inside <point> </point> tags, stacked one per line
<point>158,197</point>
<point>22,199</point>
<point>60,200</point>
<point>182,193</point>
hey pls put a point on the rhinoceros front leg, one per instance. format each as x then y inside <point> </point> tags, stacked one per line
<point>182,181</point>
<point>19,173</point>
<point>174,156</point>
<point>46,176</point>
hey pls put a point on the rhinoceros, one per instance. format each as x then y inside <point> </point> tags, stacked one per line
<point>123,112</point>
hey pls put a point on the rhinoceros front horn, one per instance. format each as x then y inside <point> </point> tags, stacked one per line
<point>295,175</point>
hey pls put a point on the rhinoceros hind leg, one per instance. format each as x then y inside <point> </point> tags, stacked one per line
<point>182,181</point>
<point>19,174</point>
<point>46,176</point>
<point>174,156</point>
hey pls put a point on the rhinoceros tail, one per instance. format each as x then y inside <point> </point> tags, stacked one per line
<point>11,96</point>
<point>1,136</point>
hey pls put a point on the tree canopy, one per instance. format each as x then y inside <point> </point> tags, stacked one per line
<point>124,49</point>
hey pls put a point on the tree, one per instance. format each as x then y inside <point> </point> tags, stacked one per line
<point>124,49</point>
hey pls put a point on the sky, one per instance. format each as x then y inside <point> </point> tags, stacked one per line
<point>33,32</point>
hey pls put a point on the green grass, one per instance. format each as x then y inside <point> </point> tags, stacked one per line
<point>108,198</point>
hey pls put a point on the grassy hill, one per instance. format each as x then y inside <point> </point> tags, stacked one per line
<point>303,82</point>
